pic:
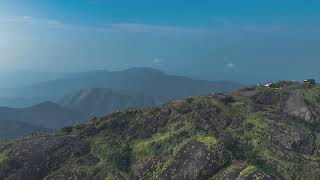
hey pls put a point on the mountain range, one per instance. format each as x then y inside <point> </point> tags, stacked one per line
<point>100,101</point>
<point>13,129</point>
<point>47,115</point>
<point>77,97</point>
<point>146,81</point>
<point>252,133</point>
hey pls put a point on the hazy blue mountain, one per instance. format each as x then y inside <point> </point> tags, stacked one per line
<point>19,102</point>
<point>13,83</point>
<point>148,81</point>
<point>18,79</point>
<point>131,88</point>
<point>48,115</point>
<point>100,101</point>
<point>14,129</point>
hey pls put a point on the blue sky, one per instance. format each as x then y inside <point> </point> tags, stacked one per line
<point>207,39</point>
<point>175,12</point>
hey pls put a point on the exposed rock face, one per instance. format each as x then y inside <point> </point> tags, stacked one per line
<point>297,106</point>
<point>268,97</point>
<point>197,161</point>
<point>293,138</point>
<point>36,158</point>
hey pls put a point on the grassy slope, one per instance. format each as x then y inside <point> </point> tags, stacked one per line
<point>256,139</point>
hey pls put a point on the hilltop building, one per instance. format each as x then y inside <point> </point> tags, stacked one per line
<point>269,85</point>
<point>309,82</point>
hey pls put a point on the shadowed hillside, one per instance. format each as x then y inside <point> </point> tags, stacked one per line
<point>47,115</point>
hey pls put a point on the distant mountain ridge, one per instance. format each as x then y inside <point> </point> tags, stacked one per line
<point>14,129</point>
<point>48,115</point>
<point>80,96</point>
<point>148,81</point>
<point>101,101</point>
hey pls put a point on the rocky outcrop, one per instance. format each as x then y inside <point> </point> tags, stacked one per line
<point>197,161</point>
<point>36,158</point>
<point>298,107</point>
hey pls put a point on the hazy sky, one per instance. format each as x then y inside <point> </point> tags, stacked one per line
<point>245,40</point>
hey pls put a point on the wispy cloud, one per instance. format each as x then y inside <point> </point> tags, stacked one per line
<point>33,21</point>
<point>129,27</point>
<point>225,23</point>
<point>141,27</point>
<point>144,27</point>
<point>46,23</point>
<point>219,24</point>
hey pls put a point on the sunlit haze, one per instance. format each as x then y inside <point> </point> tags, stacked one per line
<point>244,41</point>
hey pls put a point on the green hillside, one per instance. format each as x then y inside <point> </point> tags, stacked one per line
<point>252,133</point>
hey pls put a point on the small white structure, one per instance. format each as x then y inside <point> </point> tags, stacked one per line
<point>309,82</point>
<point>269,85</point>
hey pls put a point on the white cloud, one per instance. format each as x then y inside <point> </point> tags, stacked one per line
<point>231,65</point>
<point>158,61</point>
<point>130,27</point>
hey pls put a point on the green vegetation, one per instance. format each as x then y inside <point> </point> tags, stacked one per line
<point>247,172</point>
<point>312,95</point>
<point>282,84</point>
<point>243,134</point>
<point>208,140</point>
<point>6,164</point>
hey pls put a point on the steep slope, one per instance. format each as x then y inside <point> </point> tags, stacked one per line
<point>48,115</point>
<point>253,133</point>
<point>147,81</point>
<point>100,102</point>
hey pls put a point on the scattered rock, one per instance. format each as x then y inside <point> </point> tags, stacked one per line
<point>36,158</point>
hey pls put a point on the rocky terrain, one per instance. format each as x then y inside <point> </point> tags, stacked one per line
<point>252,133</point>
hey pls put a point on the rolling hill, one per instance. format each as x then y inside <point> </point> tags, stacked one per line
<point>251,133</point>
